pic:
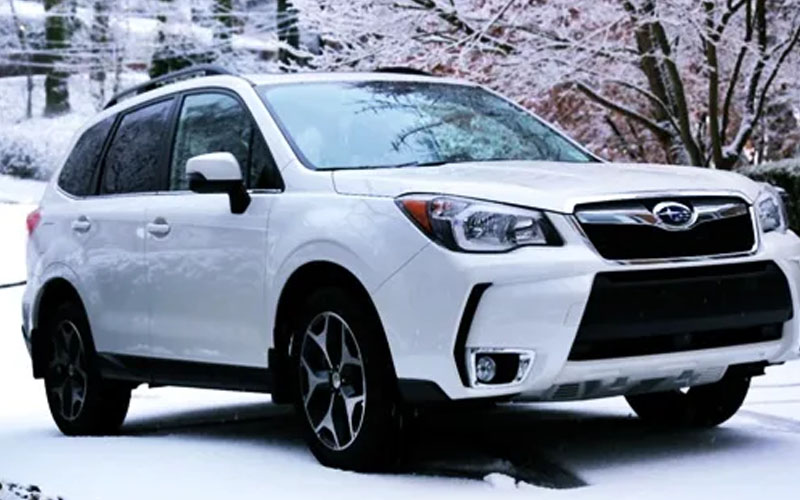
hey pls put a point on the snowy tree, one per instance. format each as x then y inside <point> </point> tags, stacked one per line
<point>682,81</point>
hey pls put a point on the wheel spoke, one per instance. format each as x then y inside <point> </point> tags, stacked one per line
<point>79,365</point>
<point>336,329</point>
<point>77,393</point>
<point>327,423</point>
<point>321,339</point>
<point>350,405</point>
<point>66,399</point>
<point>347,357</point>
<point>57,356</point>
<point>314,381</point>
<point>58,391</point>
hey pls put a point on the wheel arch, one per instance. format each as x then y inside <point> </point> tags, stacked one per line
<point>303,280</point>
<point>53,293</point>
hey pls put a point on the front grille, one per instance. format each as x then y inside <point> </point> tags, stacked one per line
<point>635,313</point>
<point>618,236</point>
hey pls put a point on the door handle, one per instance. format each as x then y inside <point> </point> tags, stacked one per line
<point>82,224</point>
<point>158,227</point>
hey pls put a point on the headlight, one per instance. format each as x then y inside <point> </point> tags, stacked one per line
<point>771,210</point>
<point>477,226</point>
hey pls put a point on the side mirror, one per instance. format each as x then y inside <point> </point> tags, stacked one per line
<point>218,173</point>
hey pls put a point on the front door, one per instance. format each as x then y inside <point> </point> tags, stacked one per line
<point>206,265</point>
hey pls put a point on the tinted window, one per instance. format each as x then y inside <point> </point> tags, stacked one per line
<point>379,123</point>
<point>78,173</point>
<point>133,161</point>
<point>210,123</point>
<point>216,122</point>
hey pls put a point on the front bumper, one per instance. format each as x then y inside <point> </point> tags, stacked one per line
<point>536,302</point>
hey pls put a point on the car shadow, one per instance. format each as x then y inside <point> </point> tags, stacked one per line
<point>543,446</point>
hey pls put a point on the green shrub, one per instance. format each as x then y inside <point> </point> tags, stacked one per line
<point>784,174</point>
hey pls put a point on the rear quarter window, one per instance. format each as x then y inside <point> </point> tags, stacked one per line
<point>77,176</point>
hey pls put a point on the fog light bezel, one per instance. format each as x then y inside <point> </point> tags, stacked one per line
<point>525,362</point>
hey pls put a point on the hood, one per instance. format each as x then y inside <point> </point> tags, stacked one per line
<point>556,187</point>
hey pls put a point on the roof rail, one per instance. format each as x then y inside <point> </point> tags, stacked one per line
<point>154,83</point>
<point>402,70</point>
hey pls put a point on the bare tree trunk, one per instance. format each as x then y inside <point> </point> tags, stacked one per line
<point>713,38</point>
<point>56,84</point>
<point>23,42</point>
<point>100,40</point>
<point>677,96</point>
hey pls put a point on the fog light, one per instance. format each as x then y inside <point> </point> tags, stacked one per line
<point>485,369</point>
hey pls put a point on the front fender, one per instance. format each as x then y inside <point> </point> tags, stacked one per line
<point>368,236</point>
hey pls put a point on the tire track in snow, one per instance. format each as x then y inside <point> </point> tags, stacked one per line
<point>775,422</point>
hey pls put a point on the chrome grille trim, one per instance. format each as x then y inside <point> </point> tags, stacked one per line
<point>637,214</point>
<point>573,220</point>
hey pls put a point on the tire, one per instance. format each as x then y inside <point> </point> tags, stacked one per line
<point>80,401</point>
<point>346,392</point>
<point>703,406</point>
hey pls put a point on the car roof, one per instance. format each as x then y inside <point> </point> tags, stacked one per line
<point>284,78</point>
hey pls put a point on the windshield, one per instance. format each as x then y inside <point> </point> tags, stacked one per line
<point>369,124</point>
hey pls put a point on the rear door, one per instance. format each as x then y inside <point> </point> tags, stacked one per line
<point>110,227</point>
<point>206,265</point>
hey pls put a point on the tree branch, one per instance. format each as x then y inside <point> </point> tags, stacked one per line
<point>452,18</point>
<point>661,105</point>
<point>737,71</point>
<point>654,127</point>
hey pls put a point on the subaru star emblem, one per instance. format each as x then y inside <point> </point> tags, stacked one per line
<point>674,215</point>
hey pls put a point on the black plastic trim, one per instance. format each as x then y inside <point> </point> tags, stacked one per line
<point>238,196</point>
<point>155,371</point>
<point>632,313</point>
<point>460,349</point>
<point>416,391</point>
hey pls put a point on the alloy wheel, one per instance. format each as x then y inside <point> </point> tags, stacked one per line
<point>332,381</point>
<point>67,368</point>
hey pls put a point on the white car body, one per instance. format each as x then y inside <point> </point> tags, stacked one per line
<point>176,276</point>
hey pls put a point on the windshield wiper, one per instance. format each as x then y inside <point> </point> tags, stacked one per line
<point>433,163</point>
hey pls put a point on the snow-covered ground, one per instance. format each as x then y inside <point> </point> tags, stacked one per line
<point>182,443</point>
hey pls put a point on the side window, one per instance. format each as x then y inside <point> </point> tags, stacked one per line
<point>133,161</point>
<point>77,176</point>
<point>210,123</point>
<point>217,122</point>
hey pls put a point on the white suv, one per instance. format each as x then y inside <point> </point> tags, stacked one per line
<point>361,244</point>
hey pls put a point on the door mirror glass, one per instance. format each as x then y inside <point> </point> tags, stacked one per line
<point>218,173</point>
